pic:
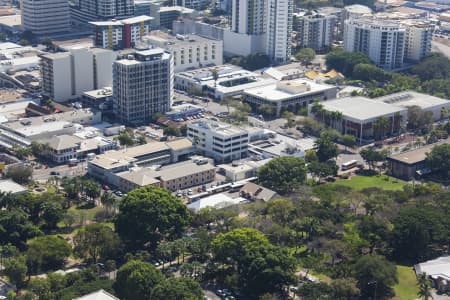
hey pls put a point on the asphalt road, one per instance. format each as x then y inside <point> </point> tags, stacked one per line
<point>62,170</point>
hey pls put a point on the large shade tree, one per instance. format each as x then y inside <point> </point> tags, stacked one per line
<point>284,174</point>
<point>149,214</point>
<point>259,266</point>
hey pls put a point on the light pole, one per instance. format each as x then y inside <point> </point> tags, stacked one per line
<point>376,286</point>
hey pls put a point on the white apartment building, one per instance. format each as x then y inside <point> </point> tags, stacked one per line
<point>220,141</point>
<point>66,75</point>
<point>45,16</point>
<point>418,39</point>
<point>279,29</point>
<point>316,31</point>
<point>249,17</point>
<point>142,86</point>
<point>382,41</point>
<point>265,24</point>
<point>119,34</point>
<point>188,51</point>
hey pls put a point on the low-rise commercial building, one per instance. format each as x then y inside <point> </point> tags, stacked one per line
<point>290,95</point>
<point>105,166</point>
<point>218,201</point>
<point>63,148</point>
<point>172,177</point>
<point>438,271</point>
<point>255,192</point>
<point>23,132</point>
<point>220,141</point>
<point>188,51</point>
<point>359,116</point>
<point>410,164</point>
<point>426,103</point>
<point>101,99</point>
<point>232,81</point>
<point>237,171</point>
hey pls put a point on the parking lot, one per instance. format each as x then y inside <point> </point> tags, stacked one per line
<point>213,107</point>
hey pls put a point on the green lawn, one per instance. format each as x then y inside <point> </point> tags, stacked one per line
<point>407,288</point>
<point>384,182</point>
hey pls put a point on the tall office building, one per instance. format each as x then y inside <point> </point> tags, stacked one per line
<point>418,39</point>
<point>279,29</point>
<point>45,16</point>
<point>316,31</point>
<point>83,11</point>
<point>249,16</point>
<point>142,86</point>
<point>66,75</point>
<point>381,40</point>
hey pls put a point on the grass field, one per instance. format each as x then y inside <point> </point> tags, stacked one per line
<point>406,289</point>
<point>384,182</point>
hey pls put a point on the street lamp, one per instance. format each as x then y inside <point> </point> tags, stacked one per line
<point>376,286</point>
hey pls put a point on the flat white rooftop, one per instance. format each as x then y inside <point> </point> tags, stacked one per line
<point>9,186</point>
<point>410,98</point>
<point>286,89</point>
<point>217,127</point>
<point>361,109</point>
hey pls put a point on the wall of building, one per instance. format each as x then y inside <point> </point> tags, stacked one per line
<point>83,71</point>
<point>103,65</point>
<point>62,79</point>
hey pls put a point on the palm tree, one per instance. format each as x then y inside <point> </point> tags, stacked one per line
<point>380,126</point>
<point>227,102</point>
<point>444,113</point>
<point>424,287</point>
<point>397,121</point>
<point>108,200</point>
<point>317,109</point>
<point>215,75</point>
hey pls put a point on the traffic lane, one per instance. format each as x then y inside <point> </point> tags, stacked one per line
<point>60,171</point>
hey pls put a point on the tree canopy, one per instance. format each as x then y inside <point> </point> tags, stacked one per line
<point>305,55</point>
<point>419,233</point>
<point>136,280</point>
<point>96,242</point>
<point>260,266</point>
<point>283,174</point>
<point>438,160</point>
<point>345,62</point>
<point>375,275</point>
<point>149,214</point>
<point>178,288</point>
<point>47,253</point>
